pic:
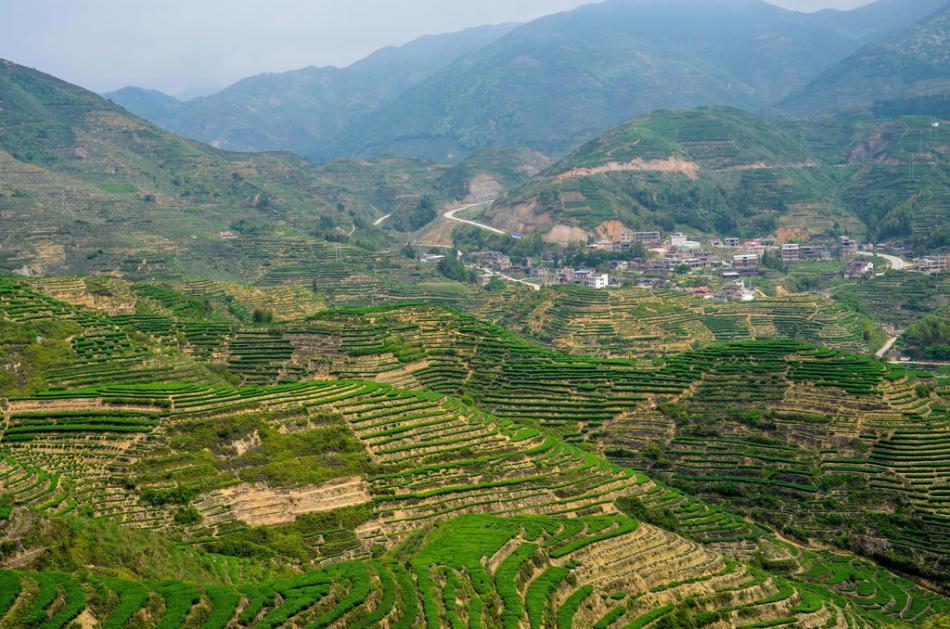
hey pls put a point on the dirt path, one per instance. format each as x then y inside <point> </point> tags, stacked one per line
<point>881,353</point>
<point>508,278</point>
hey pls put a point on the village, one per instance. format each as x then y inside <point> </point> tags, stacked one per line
<point>723,269</point>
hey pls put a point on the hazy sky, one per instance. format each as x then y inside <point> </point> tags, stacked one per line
<point>190,47</point>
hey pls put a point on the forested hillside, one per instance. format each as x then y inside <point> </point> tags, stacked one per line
<point>910,65</point>
<point>723,171</point>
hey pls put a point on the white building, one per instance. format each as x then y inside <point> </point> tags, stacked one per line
<point>678,239</point>
<point>598,280</point>
<point>589,278</point>
<point>745,261</point>
<point>791,252</point>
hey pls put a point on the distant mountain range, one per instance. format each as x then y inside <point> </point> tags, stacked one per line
<point>77,169</point>
<point>302,110</point>
<point>550,84</point>
<point>908,65</point>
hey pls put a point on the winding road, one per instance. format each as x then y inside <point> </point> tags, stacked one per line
<point>896,263</point>
<point>452,217</point>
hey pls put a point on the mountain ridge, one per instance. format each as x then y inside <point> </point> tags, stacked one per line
<point>912,63</point>
<point>290,110</point>
<point>724,171</point>
<point>557,81</point>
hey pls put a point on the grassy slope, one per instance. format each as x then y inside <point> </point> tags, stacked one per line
<point>78,169</point>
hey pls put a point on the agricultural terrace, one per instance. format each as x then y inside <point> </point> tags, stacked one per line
<point>474,570</point>
<point>194,454</point>
<point>810,433</point>
<point>898,298</point>
<point>648,323</point>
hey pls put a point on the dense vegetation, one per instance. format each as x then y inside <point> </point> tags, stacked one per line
<point>722,171</point>
<point>907,65</point>
<point>930,337</point>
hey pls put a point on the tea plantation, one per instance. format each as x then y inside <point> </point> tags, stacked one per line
<point>165,461</point>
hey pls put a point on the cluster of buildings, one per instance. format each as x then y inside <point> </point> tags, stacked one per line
<point>746,255</point>
<point>859,269</point>
<point>932,264</point>
<point>584,277</point>
<point>628,239</point>
<point>734,259</point>
<point>497,262</point>
<point>796,252</point>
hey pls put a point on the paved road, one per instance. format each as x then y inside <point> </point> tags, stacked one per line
<point>881,353</point>
<point>379,221</point>
<point>896,263</point>
<point>452,217</point>
<point>931,363</point>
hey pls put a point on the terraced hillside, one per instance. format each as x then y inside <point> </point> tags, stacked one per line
<point>644,323</point>
<point>139,452</point>
<point>416,467</point>
<point>821,434</point>
<point>619,323</point>
<point>723,171</point>
<point>899,299</point>
<point>475,571</point>
<point>829,402</point>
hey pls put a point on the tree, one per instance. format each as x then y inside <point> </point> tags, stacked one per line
<point>495,285</point>
<point>773,261</point>
<point>452,268</point>
<point>263,316</point>
<point>416,218</point>
<point>930,337</point>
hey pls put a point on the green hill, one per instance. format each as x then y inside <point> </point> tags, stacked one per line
<point>560,80</point>
<point>907,65</point>
<point>303,110</point>
<point>717,170</point>
<point>76,169</point>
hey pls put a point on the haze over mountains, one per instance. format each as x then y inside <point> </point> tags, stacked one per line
<point>910,63</point>
<point>298,110</point>
<point>550,84</point>
<point>77,169</point>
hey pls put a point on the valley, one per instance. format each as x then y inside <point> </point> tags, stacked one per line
<point>631,316</point>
